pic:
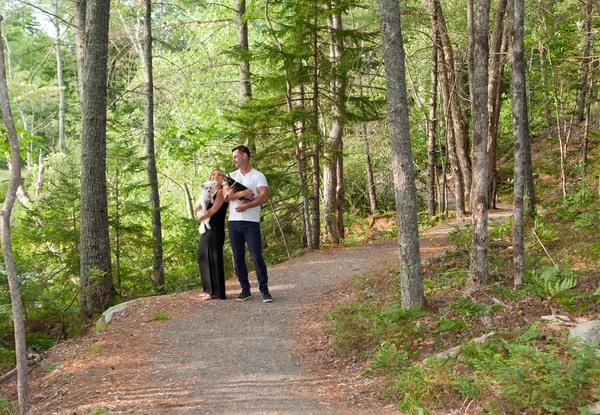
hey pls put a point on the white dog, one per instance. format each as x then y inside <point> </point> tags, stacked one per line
<point>203,202</point>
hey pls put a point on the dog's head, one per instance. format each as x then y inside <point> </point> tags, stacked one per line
<point>208,186</point>
<point>228,181</point>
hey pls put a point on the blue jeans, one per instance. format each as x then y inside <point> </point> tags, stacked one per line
<point>240,234</point>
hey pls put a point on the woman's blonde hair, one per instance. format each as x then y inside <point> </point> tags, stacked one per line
<point>215,169</point>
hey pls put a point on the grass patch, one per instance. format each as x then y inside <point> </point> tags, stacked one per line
<point>95,348</point>
<point>161,315</point>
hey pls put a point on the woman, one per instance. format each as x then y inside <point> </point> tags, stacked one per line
<point>210,249</point>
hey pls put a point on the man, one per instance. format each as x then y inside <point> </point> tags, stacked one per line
<point>244,226</point>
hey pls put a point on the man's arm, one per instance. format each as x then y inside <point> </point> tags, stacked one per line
<point>262,197</point>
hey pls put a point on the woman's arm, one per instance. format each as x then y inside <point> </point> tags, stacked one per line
<point>213,209</point>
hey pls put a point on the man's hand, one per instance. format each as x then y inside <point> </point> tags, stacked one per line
<point>241,207</point>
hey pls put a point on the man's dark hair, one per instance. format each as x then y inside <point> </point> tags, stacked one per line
<point>242,149</point>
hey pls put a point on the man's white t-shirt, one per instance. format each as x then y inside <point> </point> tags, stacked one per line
<point>252,180</point>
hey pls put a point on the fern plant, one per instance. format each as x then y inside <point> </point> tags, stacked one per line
<point>555,282</point>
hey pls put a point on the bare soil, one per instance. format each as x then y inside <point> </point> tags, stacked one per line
<point>223,356</point>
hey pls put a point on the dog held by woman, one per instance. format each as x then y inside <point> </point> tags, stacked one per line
<point>203,201</point>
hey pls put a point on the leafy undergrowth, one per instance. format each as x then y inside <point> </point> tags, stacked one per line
<point>526,364</point>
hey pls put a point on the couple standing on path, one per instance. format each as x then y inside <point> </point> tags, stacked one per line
<point>243,225</point>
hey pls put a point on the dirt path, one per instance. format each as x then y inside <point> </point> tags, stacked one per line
<point>221,357</point>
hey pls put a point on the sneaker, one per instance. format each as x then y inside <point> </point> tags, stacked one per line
<point>244,295</point>
<point>266,297</point>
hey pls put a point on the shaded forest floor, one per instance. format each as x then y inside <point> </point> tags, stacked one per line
<point>176,354</point>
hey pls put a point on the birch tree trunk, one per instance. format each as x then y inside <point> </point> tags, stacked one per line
<point>478,273</point>
<point>521,133</point>
<point>411,279</point>
<point>157,258</point>
<point>7,250</point>
<point>95,271</point>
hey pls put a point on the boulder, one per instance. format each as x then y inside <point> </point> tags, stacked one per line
<point>588,332</point>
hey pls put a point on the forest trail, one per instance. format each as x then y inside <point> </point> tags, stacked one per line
<point>223,357</point>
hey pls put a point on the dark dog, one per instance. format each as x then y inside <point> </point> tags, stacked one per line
<point>235,186</point>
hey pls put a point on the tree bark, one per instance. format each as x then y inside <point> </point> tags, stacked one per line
<point>316,169</point>
<point>369,169</point>
<point>520,131</point>
<point>431,129</point>
<point>244,65</point>
<point>333,155</point>
<point>79,20</point>
<point>478,272</point>
<point>458,120</point>
<point>545,83</point>
<point>157,258</point>
<point>59,78</point>
<point>95,272</point>
<point>498,48</point>
<point>411,279</point>
<point>7,250</point>
<point>585,62</point>
<point>452,109</point>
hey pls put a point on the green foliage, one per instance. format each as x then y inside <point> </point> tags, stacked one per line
<point>500,229</point>
<point>95,348</point>
<point>467,307</point>
<point>548,379</point>
<point>99,411</point>
<point>553,282</point>
<point>524,377</point>
<point>7,358</point>
<point>161,315</point>
<point>358,329</point>
<point>5,406</point>
<point>460,236</point>
<point>40,341</point>
<point>445,324</point>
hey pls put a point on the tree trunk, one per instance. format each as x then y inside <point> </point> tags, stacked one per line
<point>478,272</point>
<point>369,169</point>
<point>7,250</point>
<point>431,129</point>
<point>59,77</point>
<point>411,279</point>
<point>585,62</point>
<point>333,155</point>
<point>79,20</point>
<point>498,49</point>
<point>316,169</point>
<point>244,65</point>
<point>545,83</point>
<point>157,263</point>
<point>451,104</point>
<point>39,184</point>
<point>189,203</point>
<point>340,193</point>
<point>520,131</point>
<point>458,121</point>
<point>96,274</point>
<point>300,154</point>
